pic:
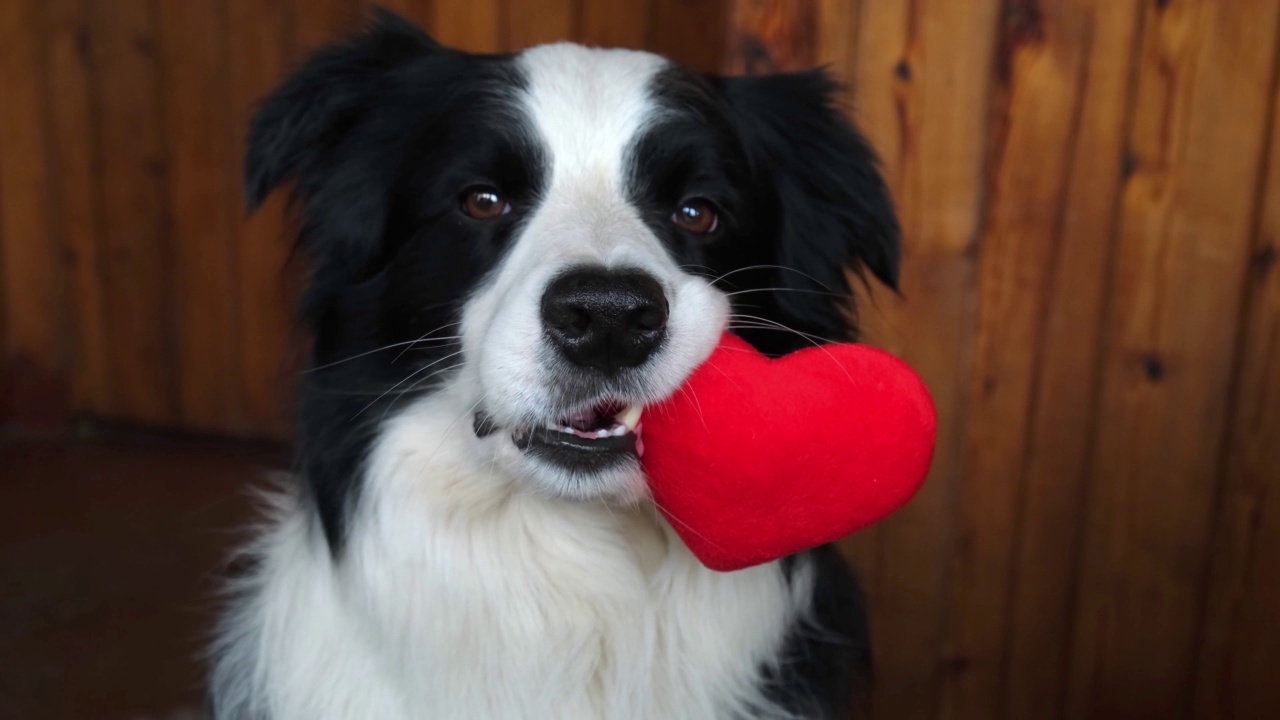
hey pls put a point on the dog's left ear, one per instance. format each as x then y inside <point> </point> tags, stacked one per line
<point>833,210</point>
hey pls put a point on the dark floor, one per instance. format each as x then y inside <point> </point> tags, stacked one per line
<point>110,550</point>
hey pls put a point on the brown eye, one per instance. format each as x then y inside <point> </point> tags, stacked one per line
<point>484,203</point>
<point>697,216</point>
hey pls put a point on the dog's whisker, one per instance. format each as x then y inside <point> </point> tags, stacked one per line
<point>452,339</point>
<point>819,343</point>
<point>769,267</point>
<point>405,380</point>
<point>842,296</point>
<point>442,327</point>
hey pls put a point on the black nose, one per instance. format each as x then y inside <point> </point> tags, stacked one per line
<point>602,319</point>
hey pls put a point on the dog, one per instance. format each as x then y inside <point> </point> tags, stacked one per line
<point>511,256</point>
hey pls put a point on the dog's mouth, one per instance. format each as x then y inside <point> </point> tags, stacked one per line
<point>587,439</point>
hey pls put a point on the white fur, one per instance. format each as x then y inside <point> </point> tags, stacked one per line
<point>474,583</point>
<point>458,600</point>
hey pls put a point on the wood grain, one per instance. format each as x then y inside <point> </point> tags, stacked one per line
<point>690,31</point>
<point>1204,89</point>
<point>421,12</point>
<point>77,214</point>
<point>923,87</point>
<point>475,25</point>
<point>1057,443</point>
<point>772,36</point>
<point>1040,68</point>
<point>136,259</point>
<point>202,194</point>
<point>1239,649</point>
<point>529,24</point>
<point>31,276</point>
<point>260,38</point>
<point>608,23</point>
<point>319,22</point>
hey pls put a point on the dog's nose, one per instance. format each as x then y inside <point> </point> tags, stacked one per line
<point>602,319</point>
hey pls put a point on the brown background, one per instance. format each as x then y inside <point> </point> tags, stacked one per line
<point>1090,191</point>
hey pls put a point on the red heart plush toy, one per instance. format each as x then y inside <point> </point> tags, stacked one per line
<point>755,458</point>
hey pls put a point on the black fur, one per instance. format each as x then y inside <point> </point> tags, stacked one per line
<point>380,136</point>
<point>801,197</point>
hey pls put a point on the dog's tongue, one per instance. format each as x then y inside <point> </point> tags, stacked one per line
<point>758,459</point>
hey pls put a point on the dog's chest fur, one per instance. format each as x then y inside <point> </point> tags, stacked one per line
<point>457,600</point>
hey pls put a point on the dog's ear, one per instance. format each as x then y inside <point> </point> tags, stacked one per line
<point>308,131</point>
<point>299,124</point>
<point>833,210</point>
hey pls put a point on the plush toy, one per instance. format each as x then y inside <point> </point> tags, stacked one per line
<point>754,458</point>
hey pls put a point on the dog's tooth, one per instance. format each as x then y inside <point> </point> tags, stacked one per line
<point>565,429</point>
<point>602,433</point>
<point>618,430</point>
<point>629,416</point>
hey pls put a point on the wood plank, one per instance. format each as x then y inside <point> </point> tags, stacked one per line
<point>260,41</point>
<point>836,38</point>
<point>609,23</point>
<point>72,122</point>
<point>769,36</point>
<point>1046,544</point>
<point>319,22</point>
<point>135,264</point>
<point>923,84</point>
<point>475,26</point>
<point>421,12</point>
<point>692,32</point>
<point>535,23</point>
<point>203,195</point>
<point>1036,110</point>
<point>1240,647</point>
<point>1204,89</point>
<point>31,277</point>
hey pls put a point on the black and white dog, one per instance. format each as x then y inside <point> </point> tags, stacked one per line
<point>513,254</point>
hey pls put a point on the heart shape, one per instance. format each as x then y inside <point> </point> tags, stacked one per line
<point>756,458</point>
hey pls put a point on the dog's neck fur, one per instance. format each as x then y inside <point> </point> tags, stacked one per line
<point>459,596</point>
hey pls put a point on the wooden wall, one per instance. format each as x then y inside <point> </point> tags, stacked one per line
<point>1091,196</point>
<point>1090,191</point>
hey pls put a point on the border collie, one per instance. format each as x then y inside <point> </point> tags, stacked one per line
<point>511,256</point>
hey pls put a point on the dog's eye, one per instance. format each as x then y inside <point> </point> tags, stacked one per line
<point>484,203</point>
<point>697,216</point>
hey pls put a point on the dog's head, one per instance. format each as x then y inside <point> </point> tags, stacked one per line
<point>556,237</point>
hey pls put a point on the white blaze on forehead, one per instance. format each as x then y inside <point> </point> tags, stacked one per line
<point>588,106</point>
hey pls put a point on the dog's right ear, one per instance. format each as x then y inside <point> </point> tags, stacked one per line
<point>297,129</point>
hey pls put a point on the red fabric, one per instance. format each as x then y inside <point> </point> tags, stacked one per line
<point>755,459</point>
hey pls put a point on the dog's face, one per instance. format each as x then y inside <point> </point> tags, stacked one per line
<point>557,238</point>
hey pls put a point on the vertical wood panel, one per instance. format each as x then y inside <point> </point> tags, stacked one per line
<point>30,264</point>
<point>1240,652</point>
<point>608,23</point>
<point>1045,544</point>
<point>690,31</point>
<point>260,42</point>
<point>772,36</point>
<point>923,82</point>
<point>475,25</point>
<point>136,262</point>
<point>421,12</point>
<point>201,186</point>
<point>529,24</point>
<point>319,22</point>
<point>1203,93</point>
<point>76,188</point>
<point>1035,117</point>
